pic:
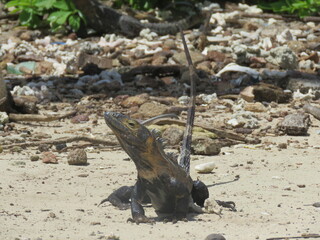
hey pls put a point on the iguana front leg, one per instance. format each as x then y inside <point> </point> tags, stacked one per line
<point>137,211</point>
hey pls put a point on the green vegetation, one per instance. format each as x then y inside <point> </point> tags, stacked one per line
<point>58,14</point>
<point>301,7</point>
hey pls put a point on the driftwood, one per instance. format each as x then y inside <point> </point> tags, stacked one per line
<point>313,110</point>
<point>38,118</point>
<point>218,132</point>
<point>60,141</point>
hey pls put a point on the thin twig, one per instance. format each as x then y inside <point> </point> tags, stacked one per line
<point>62,140</point>
<point>311,235</point>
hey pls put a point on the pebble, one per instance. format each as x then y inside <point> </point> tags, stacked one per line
<point>255,107</point>
<point>152,109</point>
<point>49,157</point>
<point>205,167</point>
<point>4,118</point>
<point>173,135</point>
<point>34,158</point>
<point>204,145</point>
<point>135,100</point>
<point>215,236</point>
<point>82,118</point>
<point>77,157</point>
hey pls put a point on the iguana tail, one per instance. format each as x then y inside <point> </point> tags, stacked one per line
<point>187,137</point>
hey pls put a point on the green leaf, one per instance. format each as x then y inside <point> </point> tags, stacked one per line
<point>83,18</point>
<point>18,3</point>
<point>62,5</point>
<point>59,17</point>
<point>46,4</point>
<point>25,17</point>
<point>74,22</point>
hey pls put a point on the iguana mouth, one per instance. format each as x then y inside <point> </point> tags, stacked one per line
<point>113,120</point>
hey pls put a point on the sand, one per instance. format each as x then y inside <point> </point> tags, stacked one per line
<point>59,201</point>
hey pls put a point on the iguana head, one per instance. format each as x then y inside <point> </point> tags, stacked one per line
<point>129,132</point>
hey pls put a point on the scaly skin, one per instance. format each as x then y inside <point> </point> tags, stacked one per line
<point>160,177</point>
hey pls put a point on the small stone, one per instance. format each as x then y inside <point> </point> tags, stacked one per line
<point>34,158</point>
<point>4,118</point>
<point>52,215</point>
<point>255,107</point>
<point>43,147</point>
<point>80,118</point>
<point>60,146</point>
<point>282,145</point>
<point>16,149</point>
<point>77,157</point>
<point>205,167</point>
<point>152,109</point>
<point>301,185</point>
<point>205,146</point>
<point>215,236</point>
<point>216,56</point>
<point>134,100</point>
<point>49,157</point>
<point>173,135</point>
<point>316,204</point>
<point>169,44</point>
<point>247,94</point>
<point>295,124</point>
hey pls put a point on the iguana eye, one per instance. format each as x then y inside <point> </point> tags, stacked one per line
<point>131,124</point>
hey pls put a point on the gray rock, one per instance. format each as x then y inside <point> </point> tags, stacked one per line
<point>4,118</point>
<point>284,57</point>
<point>173,135</point>
<point>215,236</point>
<point>205,146</point>
<point>296,124</point>
<point>77,157</point>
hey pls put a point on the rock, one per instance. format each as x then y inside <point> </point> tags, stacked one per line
<point>4,118</point>
<point>303,83</point>
<point>215,236</point>
<point>205,167</point>
<point>284,57</point>
<point>204,146</point>
<point>271,93</point>
<point>180,57</point>
<point>77,157</point>
<point>173,135</point>
<point>60,146</point>
<point>80,118</point>
<point>134,100</point>
<point>169,44</point>
<point>216,56</point>
<point>255,107</point>
<point>152,109</point>
<point>49,157</point>
<point>247,94</point>
<point>313,110</point>
<point>44,147</point>
<point>295,124</point>
<point>26,104</point>
<point>34,158</point>
<point>296,46</point>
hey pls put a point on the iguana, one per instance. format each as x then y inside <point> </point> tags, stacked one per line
<point>161,179</point>
<point>104,19</point>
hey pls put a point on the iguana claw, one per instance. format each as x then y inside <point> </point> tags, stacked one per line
<point>141,219</point>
